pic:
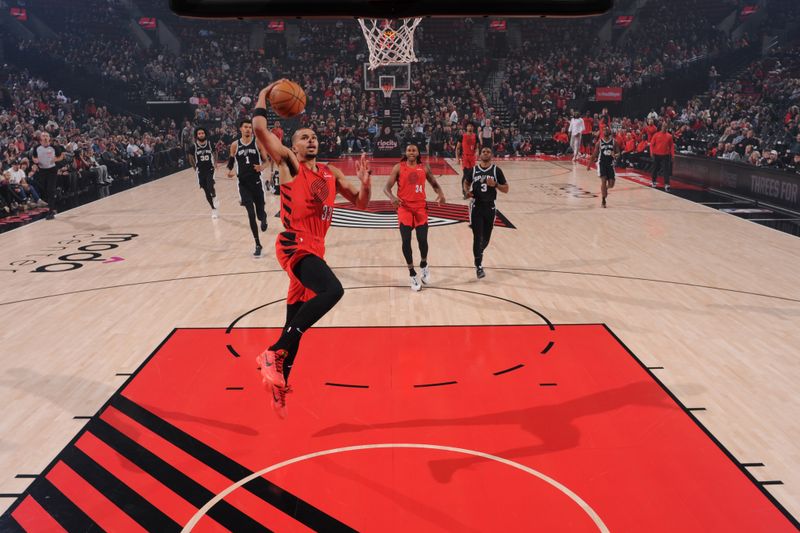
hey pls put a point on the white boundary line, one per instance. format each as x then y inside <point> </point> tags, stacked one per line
<point>560,487</point>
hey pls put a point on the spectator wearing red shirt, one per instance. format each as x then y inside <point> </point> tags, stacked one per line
<point>562,141</point>
<point>588,137</point>
<point>651,129</point>
<point>662,148</point>
<point>630,143</point>
<point>277,131</point>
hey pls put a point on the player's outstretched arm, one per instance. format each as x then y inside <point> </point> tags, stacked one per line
<point>359,197</point>
<point>387,189</point>
<point>273,145</point>
<point>435,184</point>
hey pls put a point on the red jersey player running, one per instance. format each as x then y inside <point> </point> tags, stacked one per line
<point>308,190</point>
<point>412,211</point>
<point>467,150</point>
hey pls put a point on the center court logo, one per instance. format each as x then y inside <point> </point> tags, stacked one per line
<point>564,190</point>
<point>383,215</point>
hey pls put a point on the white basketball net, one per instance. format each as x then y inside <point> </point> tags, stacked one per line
<point>389,42</point>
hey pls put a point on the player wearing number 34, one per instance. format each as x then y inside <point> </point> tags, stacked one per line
<point>412,210</point>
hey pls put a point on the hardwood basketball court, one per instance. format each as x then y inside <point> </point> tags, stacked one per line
<point>472,402</point>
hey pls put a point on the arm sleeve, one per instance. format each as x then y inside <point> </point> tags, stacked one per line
<point>231,160</point>
<point>467,176</point>
<point>501,178</point>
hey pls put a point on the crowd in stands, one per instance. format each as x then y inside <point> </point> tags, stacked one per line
<point>559,62</point>
<point>93,146</point>
<point>753,118</point>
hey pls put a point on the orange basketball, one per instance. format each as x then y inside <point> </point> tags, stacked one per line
<point>287,99</point>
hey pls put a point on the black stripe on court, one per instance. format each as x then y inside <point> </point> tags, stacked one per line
<point>751,465</point>
<point>128,500</point>
<point>346,385</point>
<point>547,348</point>
<point>281,499</point>
<point>775,482</point>
<point>61,508</point>
<point>442,384</point>
<point>9,525</point>
<point>26,476</point>
<point>227,515</point>
<point>504,220</point>
<point>507,370</point>
<point>230,349</point>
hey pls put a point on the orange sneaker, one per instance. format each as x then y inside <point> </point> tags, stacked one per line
<point>271,364</point>
<point>279,400</point>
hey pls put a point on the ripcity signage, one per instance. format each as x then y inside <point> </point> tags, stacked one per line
<point>88,248</point>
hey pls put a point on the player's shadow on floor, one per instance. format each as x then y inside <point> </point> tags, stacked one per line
<point>553,425</point>
<point>171,416</point>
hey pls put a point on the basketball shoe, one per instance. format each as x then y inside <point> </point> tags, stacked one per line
<point>415,286</point>
<point>279,400</point>
<point>271,364</point>
<point>426,276</point>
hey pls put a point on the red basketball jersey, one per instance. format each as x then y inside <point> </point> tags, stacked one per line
<point>411,184</point>
<point>307,202</point>
<point>468,143</point>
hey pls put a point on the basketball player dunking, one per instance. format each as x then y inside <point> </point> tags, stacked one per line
<point>202,160</point>
<point>308,190</point>
<point>467,150</point>
<point>481,184</point>
<point>605,153</point>
<point>249,156</point>
<point>412,211</point>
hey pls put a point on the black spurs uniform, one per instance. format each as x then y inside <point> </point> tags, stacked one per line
<point>481,208</point>
<point>248,157</point>
<point>251,190</point>
<point>605,161</point>
<point>204,166</point>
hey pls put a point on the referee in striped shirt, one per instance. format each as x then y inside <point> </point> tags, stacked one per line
<point>45,158</point>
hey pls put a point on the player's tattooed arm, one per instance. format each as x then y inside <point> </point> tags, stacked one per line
<point>387,189</point>
<point>435,184</point>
